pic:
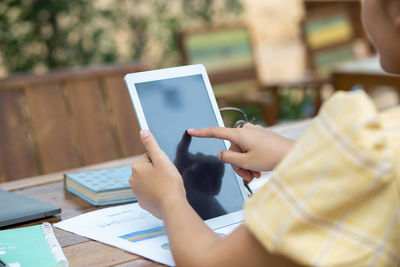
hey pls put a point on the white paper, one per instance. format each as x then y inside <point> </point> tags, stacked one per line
<point>113,225</point>
<point>257,183</point>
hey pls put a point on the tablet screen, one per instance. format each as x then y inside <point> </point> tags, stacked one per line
<point>172,106</point>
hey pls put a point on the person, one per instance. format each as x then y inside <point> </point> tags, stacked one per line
<point>333,198</point>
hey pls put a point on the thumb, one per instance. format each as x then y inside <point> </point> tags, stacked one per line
<point>232,157</point>
<point>150,144</point>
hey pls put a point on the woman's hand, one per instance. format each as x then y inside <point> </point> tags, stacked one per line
<point>155,180</point>
<point>253,148</point>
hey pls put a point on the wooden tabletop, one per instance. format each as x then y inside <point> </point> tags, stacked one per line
<point>81,251</point>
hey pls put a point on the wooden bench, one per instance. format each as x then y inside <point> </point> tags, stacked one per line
<point>66,119</point>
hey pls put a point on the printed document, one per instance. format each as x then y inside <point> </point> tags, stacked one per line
<point>130,228</point>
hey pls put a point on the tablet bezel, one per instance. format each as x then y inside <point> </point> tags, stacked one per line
<point>177,72</point>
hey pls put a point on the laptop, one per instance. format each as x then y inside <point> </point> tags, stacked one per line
<point>15,209</point>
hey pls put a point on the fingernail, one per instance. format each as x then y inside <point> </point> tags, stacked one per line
<point>144,134</point>
<point>189,130</point>
<point>219,156</point>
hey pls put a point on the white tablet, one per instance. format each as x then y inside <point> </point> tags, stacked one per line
<point>168,102</point>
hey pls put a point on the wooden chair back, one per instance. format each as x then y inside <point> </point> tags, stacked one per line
<point>333,33</point>
<point>66,119</point>
<point>227,54</point>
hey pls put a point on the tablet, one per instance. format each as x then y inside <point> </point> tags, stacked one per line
<point>167,102</point>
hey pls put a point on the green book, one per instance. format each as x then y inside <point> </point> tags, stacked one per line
<point>31,246</point>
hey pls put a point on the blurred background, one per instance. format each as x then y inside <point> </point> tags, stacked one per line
<point>275,60</point>
<point>289,44</point>
<point>40,35</point>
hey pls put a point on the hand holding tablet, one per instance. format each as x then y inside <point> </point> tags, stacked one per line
<point>156,179</point>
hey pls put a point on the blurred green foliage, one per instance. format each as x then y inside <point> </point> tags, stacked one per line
<point>296,103</point>
<point>43,34</point>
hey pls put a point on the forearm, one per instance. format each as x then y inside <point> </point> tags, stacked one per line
<point>284,148</point>
<point>189,237</point>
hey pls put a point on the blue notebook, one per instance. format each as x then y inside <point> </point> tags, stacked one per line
<point>101,187</point>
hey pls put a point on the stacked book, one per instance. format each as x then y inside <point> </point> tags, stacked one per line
<point>102,187</point>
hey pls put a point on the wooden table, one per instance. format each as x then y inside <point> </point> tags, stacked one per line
<point>367,73</point>
<point>81,251</point>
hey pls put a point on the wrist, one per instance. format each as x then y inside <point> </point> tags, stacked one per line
<point>284,148</point>
<point>170,202</point>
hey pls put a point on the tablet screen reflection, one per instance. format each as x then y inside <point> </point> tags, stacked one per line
<point>202,177</point>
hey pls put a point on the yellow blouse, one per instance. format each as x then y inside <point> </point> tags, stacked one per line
<point>335,198</point>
